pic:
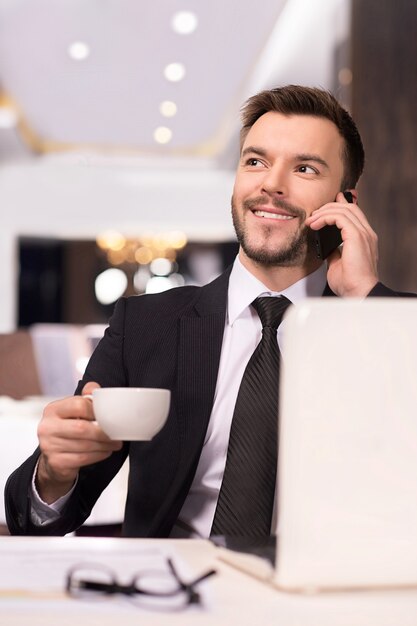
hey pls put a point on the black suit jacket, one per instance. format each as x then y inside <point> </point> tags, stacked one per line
<point>171,340</point>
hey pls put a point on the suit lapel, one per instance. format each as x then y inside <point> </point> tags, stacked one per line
<point>200,341</point>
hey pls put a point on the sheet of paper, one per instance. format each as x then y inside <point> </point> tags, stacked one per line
<point>33,575</point>
<point>40,565</point>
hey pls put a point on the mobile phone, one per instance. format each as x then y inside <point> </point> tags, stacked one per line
<point>329,238</point>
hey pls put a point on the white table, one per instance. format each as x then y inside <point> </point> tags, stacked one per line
<point>229,598</point>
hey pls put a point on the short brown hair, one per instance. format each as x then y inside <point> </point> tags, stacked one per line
<point>298,100</point>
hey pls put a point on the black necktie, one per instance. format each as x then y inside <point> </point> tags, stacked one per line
<point>246,496</point>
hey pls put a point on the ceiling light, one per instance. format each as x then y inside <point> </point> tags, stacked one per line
<point>143,255</point>
<point>110,285</point>
<point>161,267</point>
<point>111,240</point>
<point>8,117</point>
<point>162,134</point>
<point>174,72</point>
<point>168,108</point>
<point>176,239</point>
<point>184,22</point>
<point>157,284</point>
<point>345,76</point>
<point>78,51</point>
<point>141,278</point>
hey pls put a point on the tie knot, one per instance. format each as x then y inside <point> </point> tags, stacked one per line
<point>271,310</point>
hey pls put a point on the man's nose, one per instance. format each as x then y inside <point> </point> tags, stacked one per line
<point>275,181</point>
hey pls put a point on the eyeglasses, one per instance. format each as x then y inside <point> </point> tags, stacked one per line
<point>153,588</point>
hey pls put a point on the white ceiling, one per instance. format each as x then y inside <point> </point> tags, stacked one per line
<point>82,157</point>
<point>110,101</point>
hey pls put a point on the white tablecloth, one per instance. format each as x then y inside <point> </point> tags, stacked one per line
<point>229,598</point>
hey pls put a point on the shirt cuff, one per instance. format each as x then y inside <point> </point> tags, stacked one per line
<point>42,513</point>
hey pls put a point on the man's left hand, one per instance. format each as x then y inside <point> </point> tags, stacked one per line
<point>352,268</point>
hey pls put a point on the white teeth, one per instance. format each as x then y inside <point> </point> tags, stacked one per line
<point>273,216</point>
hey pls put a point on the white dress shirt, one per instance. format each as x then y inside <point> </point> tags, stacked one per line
<point>242,334</point>
<point>243,330</point>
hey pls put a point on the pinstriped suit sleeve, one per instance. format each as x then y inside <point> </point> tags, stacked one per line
<point>381,291</point>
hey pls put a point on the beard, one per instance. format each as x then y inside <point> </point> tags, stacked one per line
<point>299,247</point>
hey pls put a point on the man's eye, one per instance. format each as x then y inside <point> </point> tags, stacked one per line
<point>254,162</point>
<point>307,169</point>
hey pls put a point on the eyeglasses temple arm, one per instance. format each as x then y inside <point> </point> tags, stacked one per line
<point>193,582</point>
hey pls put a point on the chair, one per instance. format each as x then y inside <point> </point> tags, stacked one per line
<point>18,371</point>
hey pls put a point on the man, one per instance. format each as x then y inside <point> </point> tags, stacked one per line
<point>299,151</point>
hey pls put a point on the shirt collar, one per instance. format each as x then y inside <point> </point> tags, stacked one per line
<point>244,288</point>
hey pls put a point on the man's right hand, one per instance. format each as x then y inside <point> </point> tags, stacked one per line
<point>69,438</point>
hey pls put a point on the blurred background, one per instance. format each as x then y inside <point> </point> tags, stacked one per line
<point>119,124</point>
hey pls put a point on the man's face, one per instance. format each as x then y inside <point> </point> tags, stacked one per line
<point>290,165</point>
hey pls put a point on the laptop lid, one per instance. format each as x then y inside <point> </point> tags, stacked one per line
<point>347,469</point>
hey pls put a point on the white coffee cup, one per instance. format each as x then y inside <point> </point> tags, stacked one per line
<point>130,413</point>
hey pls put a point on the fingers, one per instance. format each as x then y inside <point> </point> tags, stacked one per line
<point>54,427</point>
<point>350,219</point>
<point>352,223</point>
<point>70,408</point>
<point>342,213</point>
<point>89,388</point>
<point>352,226</point>
<point>70,438</point>
<point>66,465</point>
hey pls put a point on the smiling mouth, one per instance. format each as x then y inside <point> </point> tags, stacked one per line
<point>273,216</point>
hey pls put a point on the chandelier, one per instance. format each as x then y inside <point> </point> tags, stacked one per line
<point>121,250</point>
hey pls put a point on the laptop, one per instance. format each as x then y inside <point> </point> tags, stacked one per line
<point>347,467</point>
